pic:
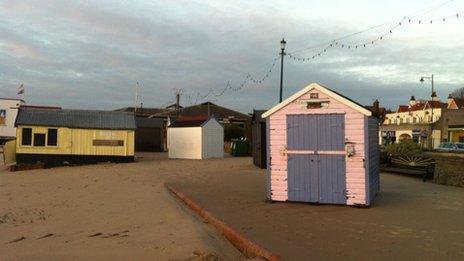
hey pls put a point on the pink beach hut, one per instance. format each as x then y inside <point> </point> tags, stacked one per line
<point>322,148</point>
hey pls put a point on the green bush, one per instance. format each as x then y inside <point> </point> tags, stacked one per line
<point>405,148</point>
<point>232,131</point>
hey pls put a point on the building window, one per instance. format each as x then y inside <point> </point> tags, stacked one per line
<point>389,121</point>
<point>26,138</point>
<point>401,121</point>
<point>52,137</point>
<point>39,139</point>
<point>407,120</point>
<point>414,119</point>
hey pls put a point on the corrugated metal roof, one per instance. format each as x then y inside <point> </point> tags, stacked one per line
<point>86,119</point>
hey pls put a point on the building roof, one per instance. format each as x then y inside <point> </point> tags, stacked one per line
<point>257,116</point>
<point>85,119</point>
<point>421,106</point>
<point>41,107</point>
<point>404,108</point>
<point>206,109</point>
<point>12,99</point>
<point>331,93</point>
<point>190,122</point>
<point>142,111</point>
<point>149,122</point>
<point>459,102</point>
<point>436,104</point>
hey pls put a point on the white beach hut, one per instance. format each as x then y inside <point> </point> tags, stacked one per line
<point>196,139</point>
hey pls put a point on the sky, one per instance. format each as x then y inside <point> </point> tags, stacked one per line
<point>91,54</point>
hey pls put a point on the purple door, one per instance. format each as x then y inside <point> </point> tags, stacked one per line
<point>316,158</point>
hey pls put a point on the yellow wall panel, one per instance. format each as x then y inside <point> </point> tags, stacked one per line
<point>80,142</point>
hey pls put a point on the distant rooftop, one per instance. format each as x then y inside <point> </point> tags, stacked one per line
<point>205,109</point>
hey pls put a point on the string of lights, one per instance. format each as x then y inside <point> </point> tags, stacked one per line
<point>336,43</point>
<point>412,15</point>
<point>249,78</point>
<point>324,47</point>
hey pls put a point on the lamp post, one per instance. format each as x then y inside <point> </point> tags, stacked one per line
<point>422,79</point>
<point>282,53</point>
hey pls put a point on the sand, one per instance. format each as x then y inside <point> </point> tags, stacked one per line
<point>139,220</point>
<point>101,212</point>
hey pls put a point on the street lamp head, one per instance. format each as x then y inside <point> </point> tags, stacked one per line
<point>282,44</point>
<point>422,79</point>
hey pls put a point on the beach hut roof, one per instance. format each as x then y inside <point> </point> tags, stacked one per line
<point>190,122</point>
<point>331,93</point>
<point>85,119</point>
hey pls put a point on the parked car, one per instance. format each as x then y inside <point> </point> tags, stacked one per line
<point>451,146</point>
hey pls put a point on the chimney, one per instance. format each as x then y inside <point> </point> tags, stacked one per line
<point>450,98</point>
<point>434,96</point>
<point>412,101</point>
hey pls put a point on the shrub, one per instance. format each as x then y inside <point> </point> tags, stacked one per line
<point>232,131</point>
<point>405,148</point>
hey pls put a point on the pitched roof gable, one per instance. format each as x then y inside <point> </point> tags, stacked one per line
<point>192,122</point>
<point>331,93</point>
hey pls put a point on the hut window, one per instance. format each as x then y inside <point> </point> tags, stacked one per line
<point>52,137</point>
<point>108,143</point>
<point>39,139</point>
<point>26,138</point>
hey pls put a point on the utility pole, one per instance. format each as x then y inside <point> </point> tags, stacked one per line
<point>431,106</point>
<point>177,106</point>
<point>136,97</point>
<point>177,101</point>
<point>282,53</point>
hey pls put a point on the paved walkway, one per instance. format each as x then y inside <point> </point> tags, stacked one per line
<point>409,220</point>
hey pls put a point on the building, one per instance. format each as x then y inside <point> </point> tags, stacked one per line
<point>57,136</point>
<point>258,138</point>
<point>145,112</point>
<point>322,147</point>
<point>195,138</point>
<point>452,122</point>
<point>150,134</point>
<point>207,109</point>
<point>455,103</point>
<point>377,111</point>
<point>8,111</point>
<point>421,122</point>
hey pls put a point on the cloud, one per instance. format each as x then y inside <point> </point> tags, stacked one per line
<point>90,53</point>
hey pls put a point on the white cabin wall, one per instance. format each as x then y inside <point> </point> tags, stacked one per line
<point>11,108</point>
<point>213,140</point>
<point>185,143</point>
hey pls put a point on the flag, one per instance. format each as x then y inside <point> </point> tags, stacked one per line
<point>21,89</point>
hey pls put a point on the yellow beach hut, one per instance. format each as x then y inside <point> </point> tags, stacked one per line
<point>57,136</point>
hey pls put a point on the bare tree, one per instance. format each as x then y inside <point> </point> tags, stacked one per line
<point>458,93</point>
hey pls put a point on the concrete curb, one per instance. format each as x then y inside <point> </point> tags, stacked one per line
<point>246,246</point>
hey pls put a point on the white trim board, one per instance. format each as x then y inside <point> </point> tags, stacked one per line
<point>321,89</point>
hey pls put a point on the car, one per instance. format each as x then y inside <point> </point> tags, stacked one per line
<point>451,146</point>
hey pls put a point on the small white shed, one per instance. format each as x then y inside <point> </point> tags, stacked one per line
<point>196,139</point>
